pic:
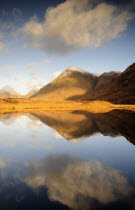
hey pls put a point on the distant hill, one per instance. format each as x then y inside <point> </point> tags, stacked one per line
<point>2,95</point>
<point>31,93</point>
<point>77,84</point>
<point>9,92</point>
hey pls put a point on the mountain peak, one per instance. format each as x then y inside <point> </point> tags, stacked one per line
<point>75,68</point>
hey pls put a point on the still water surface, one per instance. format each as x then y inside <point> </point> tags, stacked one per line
<point>67,160</point>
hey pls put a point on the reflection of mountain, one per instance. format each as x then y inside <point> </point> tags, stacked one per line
<point>8,119</point>
<point>81,124</point>
<point>78,184</point>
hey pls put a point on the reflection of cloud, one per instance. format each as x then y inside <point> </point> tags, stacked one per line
<point>8,142</point>
<point>78,184</point>
<point>48,147</point>
<point>75,24</point>
<point>83,137</point>
<point>34,125</point>
<point>4,162</point>
<point>3,47</point>
<point>56,134</point>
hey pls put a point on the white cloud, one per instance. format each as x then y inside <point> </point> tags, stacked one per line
<point>75,24</point>
<point>31,65</point>
<point>34,71</point>
<point>7,68</point>
<point>34,84</point>
<point>55,75</point>
<point>3,47</point>
<point>48,62</point>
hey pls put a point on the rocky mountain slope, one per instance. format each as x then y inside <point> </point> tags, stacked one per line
<point>76,84</point>
<point>72,82</point>
<point>120,90</point>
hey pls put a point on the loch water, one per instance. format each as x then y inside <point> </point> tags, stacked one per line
<point>67,160</point>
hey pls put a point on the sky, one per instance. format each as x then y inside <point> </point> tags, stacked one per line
<point>39,39</point>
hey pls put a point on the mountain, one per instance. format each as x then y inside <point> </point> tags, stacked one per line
<point>31,93</point>
<point>2,95</point>
<point>72,82</point>
<point>9,92</point>
<point>121,90</point>
<point>77,84</point>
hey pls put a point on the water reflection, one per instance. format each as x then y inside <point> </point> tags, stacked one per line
<point>39,171</point>
<point>78,184</point>
<point>70,181</point>
<point>78,124</point>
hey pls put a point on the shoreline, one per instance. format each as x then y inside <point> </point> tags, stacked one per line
<point>27,105</point>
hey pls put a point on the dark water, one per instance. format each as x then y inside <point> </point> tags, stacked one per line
<point>64,160</point>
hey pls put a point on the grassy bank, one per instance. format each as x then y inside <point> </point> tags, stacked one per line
<point>26,105</point>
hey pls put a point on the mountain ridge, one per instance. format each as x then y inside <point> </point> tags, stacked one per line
<point>79,85</point>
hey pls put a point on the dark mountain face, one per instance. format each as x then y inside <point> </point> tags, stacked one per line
<point>120,90</point>
<point>74,84</point>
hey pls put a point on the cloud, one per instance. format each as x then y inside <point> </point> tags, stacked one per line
<point>90,183</point>
<point>7,68</point>
<point>55,75</point>
<point>48,62</point>
<point>32,65</point>
<point>34,84</point>
<point>10,21</point>
<point>3,47</point>
<point>33,70</point>
<point>75,24</point>
<point>17,14</point>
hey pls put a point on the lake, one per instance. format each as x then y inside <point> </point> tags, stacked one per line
<point>67,160</point>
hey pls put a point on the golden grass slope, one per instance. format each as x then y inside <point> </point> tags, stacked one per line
<point>27,105</point>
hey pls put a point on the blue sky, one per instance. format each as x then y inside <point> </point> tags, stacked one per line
<point>35,46</point>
